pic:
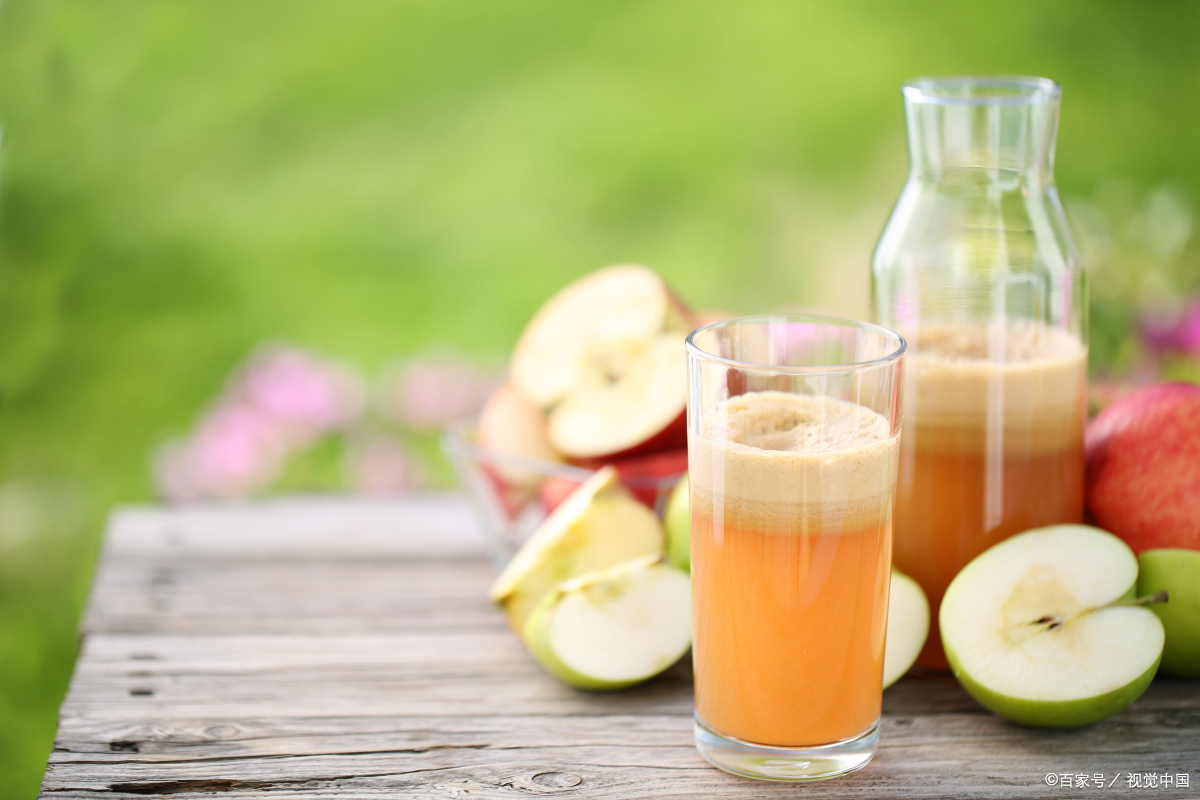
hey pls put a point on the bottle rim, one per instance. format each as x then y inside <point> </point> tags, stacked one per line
<point>981,90</point>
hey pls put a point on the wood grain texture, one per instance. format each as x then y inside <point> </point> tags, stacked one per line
<point>325,649</point>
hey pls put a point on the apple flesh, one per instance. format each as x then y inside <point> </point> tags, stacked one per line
<point>598,526</point>
<point>1178,573</point>
<point>604,358</point>
<point>613,627</point>
<point>1038,628</point>
<point>907,627</point>
<point>630,404</point>
<point>678,524</point>
<point>1143,467</point>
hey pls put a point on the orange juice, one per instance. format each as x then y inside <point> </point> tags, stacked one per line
<point>791,500</point>
<point>993,446</point>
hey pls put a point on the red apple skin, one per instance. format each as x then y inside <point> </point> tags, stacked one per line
<point>556,489</point>
<point>645,477</point>
<point>1143,467</point>
<point>672,437</point>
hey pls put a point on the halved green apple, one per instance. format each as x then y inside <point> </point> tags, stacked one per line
<point>1176,571</point>
<point>907,627</point>
<point>1040,628</point>
<point>613,627</point>
<point>598,525</point>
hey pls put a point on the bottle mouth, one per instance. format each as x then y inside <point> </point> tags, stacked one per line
<point>982,90</point>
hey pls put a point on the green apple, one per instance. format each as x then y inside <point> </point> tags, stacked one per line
<point>1177,572</point>
<point>907,627</point>
<point>613,627</point>
<point>600,524</point>
<point>678,522</point>
<point>1042,628</point>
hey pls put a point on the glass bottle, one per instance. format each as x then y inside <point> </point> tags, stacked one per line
<point>978,270</point>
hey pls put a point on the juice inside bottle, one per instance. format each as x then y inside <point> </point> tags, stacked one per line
<point>992,446</point>
<point>791,550</point>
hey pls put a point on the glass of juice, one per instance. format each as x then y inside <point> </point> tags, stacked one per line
<point>793,437</point>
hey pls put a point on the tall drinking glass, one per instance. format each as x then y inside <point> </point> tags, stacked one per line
<point>793,445</point>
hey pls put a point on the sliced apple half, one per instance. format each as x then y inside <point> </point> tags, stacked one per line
<point>907,627</point>
<point>589,325</point>
<point>605,358</point>
<point>1042,629</point>
<point>634,401</point>
<point>597,526</point>
<point>613,627</point>
<point>510,425</point>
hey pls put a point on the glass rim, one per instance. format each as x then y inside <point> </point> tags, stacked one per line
<point>814,369</point>
<point>981,90</point>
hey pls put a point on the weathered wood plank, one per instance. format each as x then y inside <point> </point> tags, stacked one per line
<point>311,650</point>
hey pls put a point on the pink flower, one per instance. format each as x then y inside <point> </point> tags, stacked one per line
<point>235,451</point>
<point>1177,331</point>
<point>428,393</point>
<point>305,396</point>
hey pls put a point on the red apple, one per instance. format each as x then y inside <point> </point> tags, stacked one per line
<point>1143,467</point>
<point>509,425</point>
<point>605,358</point>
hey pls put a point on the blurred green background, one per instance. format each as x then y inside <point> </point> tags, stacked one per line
<point>182,180</point>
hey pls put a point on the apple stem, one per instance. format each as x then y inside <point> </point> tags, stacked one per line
<point>1150,599</point>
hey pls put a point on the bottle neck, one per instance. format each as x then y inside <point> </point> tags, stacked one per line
<point>1006,143</point>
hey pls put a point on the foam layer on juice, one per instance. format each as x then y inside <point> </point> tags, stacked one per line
<point>1020,384</point>
<point>793,463</point>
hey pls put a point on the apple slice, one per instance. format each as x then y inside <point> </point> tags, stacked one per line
<point>678,524</point>
<point>509,425</point>
<point>907,627</point>
<point>1175,571</point>
<point>598,526</point>
<point>613,627</point>
<point>647,477</point>
<point>1041,628</point>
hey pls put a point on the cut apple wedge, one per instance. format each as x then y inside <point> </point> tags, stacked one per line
<point>907,627</point>
<point>598,526</point>
<point>647,477</point>
<point>613,627</point>
<point>1042,628</point>
<point>511,425</point>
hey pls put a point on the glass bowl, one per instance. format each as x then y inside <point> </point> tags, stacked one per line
<point>510,511</point>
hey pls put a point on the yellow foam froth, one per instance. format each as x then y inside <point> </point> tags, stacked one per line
<point>1022,385</point>
<point>786,462</point>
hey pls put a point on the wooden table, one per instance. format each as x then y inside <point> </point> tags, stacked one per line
<point>345,649</point>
